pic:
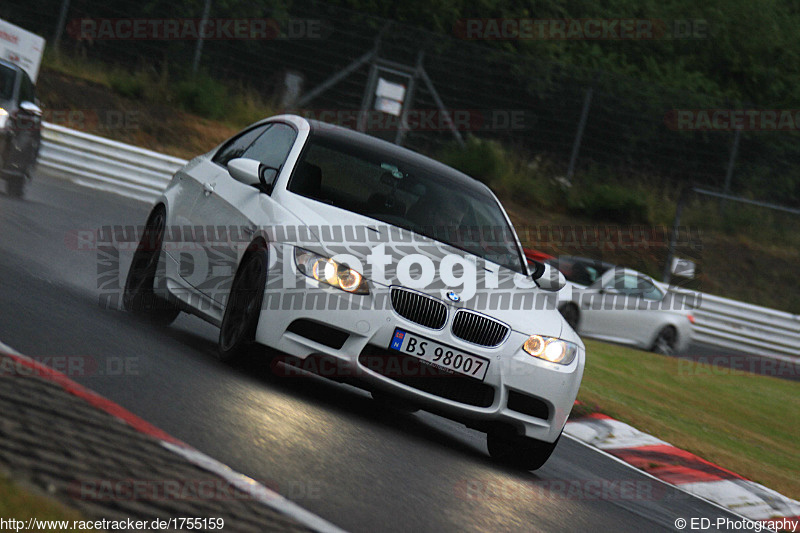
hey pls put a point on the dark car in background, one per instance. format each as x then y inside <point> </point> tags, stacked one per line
<point>581,270</point>
<point>20,127</point>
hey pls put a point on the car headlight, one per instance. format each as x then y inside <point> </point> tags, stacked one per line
<point>551,349</point>
<point>3,118</point>
<point>328,271</point>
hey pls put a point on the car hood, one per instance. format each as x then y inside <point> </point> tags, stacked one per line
<point>388,255</point>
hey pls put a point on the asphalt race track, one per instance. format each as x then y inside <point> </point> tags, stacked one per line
<point>324,445</point>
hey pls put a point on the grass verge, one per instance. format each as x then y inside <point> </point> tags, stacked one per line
<point>21,504</point>
<point>746,423</point>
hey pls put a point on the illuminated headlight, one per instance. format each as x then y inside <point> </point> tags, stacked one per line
<point>328,271</point>
<point>3,118</point>
<point>551,349</point>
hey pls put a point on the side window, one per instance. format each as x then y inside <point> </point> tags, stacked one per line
<point>27,91</point>
<point>622,283</point>
<point>629,285</point>
<point>238,145</point>
<point>273,146</point>
<point>632,285</point>
<point>650,291</point>
<point>581,272</point>
<point>271,150</point>
<point>617,283</point>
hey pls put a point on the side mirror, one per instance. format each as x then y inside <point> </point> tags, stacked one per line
<point>31,108</point>
<point>252,172</point>
<point>547,277</point>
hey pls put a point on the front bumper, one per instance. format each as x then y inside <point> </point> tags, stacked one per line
<point>350,335</point>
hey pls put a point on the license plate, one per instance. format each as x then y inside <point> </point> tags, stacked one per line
<point>439,354</point>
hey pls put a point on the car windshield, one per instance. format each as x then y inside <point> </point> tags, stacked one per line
<point>412,196</point>
<point>7,77</point>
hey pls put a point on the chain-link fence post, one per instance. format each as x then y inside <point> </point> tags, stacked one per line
<point>62,21</point>
<point>726,189</point>
<point>199,48</point>
<point>576,145</point>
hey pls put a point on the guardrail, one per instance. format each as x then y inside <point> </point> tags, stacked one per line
<point>746,327</point>
<point>142,174</point>
<point>107,165</point>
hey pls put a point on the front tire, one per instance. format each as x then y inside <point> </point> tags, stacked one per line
<point>571,314</point>
<point>518,451</point>
<point>15,180</point>
<point>139,296</point>
<point>238,330</point>
<point>666,341</point>
<point>16,185</point>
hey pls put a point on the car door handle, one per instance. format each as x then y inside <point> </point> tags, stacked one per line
<point>208,188</point>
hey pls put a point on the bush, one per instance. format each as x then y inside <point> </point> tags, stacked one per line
<point>613,203</point>
<point>532,182</point>
<point>484,160</point>
<point>507,172</point>
<point>249,106</point>
<point>128,85</point>
<point>203,96</point>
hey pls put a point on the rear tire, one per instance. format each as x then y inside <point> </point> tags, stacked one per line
<point>139,296</point>
<point>518,451</point>
<point>238,330</point>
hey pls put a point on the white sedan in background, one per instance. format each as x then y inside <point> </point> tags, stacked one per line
<point>622,305</point>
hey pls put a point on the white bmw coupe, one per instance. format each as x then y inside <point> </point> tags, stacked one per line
<point>366,263</point>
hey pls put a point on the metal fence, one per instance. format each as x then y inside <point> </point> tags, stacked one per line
<point>142,174</point>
